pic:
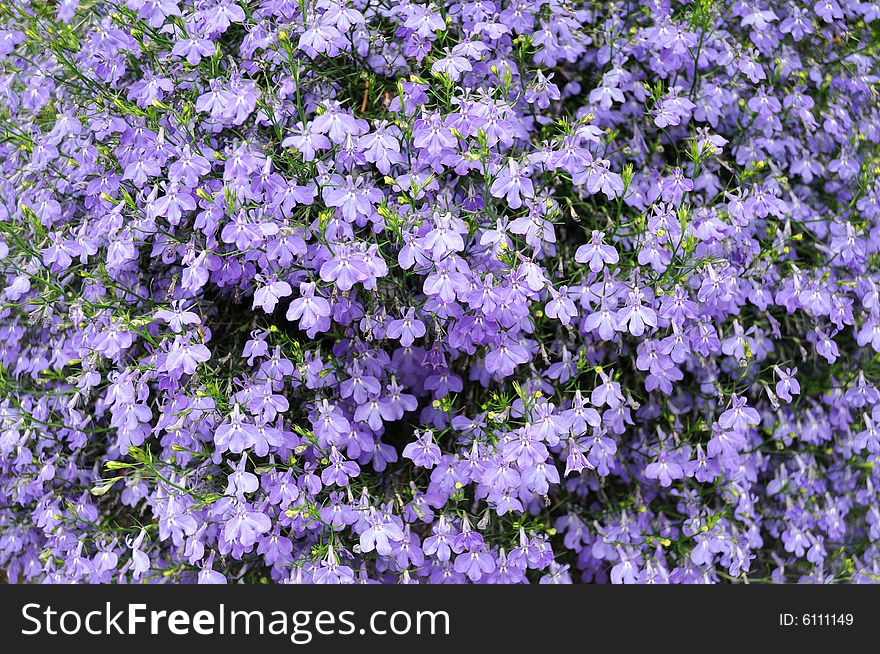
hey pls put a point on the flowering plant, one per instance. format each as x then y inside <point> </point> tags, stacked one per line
<point>493,291</point>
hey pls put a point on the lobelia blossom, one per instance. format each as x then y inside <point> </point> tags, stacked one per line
<point>596,253</point>
<point>381,531</point>
<point>312,311</point>
<point>423,452</point>
<point>739,417</point>
<point>787,384</point>
<point>235,434</point>
<point>513,184</point>
<point>267,296</point>
<point>406,329</point>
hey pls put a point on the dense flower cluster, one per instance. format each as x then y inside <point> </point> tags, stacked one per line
<point>439,291</point>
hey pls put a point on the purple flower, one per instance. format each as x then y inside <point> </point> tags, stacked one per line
<point>513,184</point>
<point>380,532</point>
<point>340,470</point>
<point>597,253</point>
<point>422,451</point>
<point>184,357</point>
<point>430,134</point>
<point>235,434</point>
<point>244,526</point>
<point>311,310</point>
<point>452,65</point>
<point>787,384</point>
<point>307,141</point>
<point>407,329</point>
<point>739,417</point>
<point>267,296</point>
